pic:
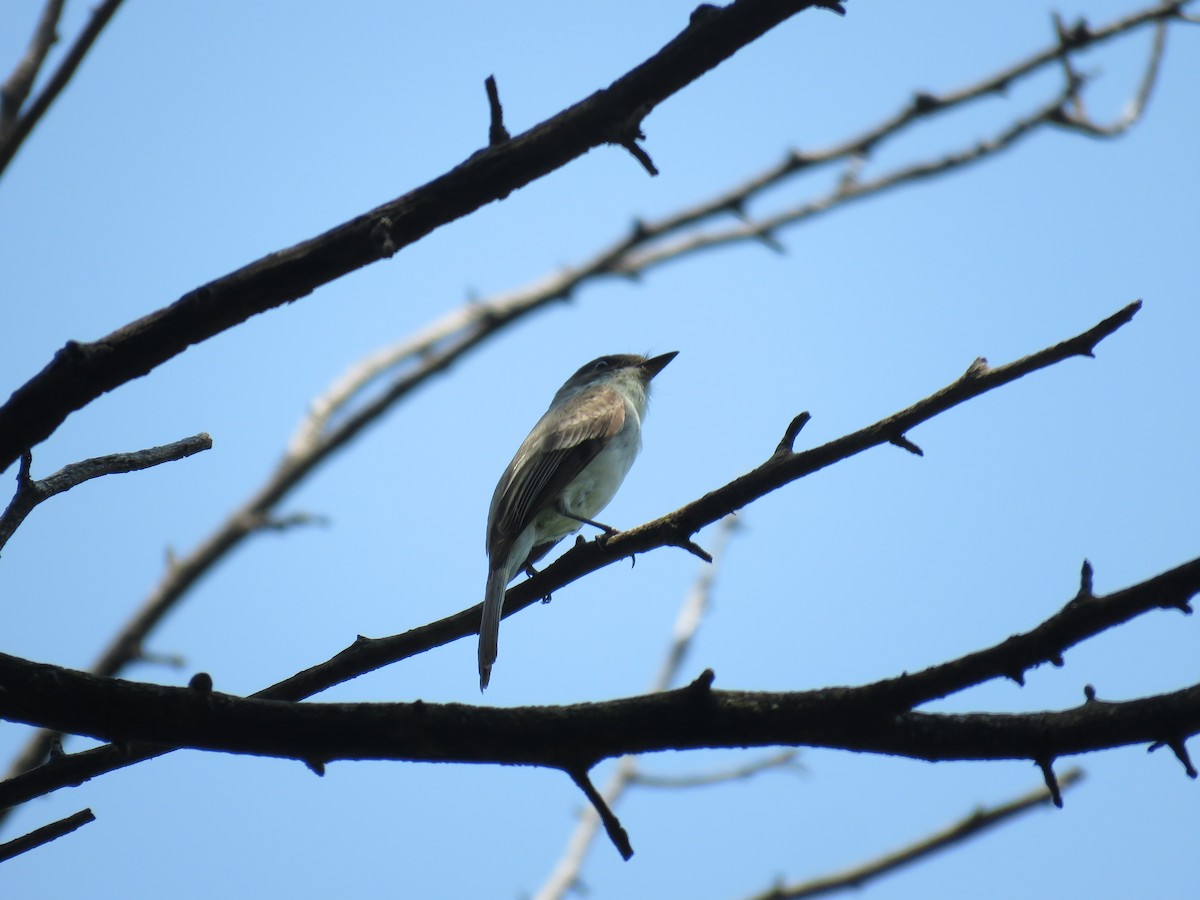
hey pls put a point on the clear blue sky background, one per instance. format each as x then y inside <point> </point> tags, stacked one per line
<point>200,136</point>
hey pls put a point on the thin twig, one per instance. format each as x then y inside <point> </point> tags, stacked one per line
<point>17,86</point>
<point>1076,119</point>
<point>367,654</point>
<point>976,823</point>
<point>12,138</point>
<point>612,825</point>
<point>497,133</point>
<point>81,372</point>
<point>644,247</point>
<point>45,834</point>
<point>445,341</point>
<point>30,493</point>
<point>565,875</point>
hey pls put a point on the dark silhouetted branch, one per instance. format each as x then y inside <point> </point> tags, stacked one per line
<point>367,654</point>
<point>45,834</point>
<point>81,372</point>
<point>438,346</point>
<point>975,824</point>
<point>12,137</point>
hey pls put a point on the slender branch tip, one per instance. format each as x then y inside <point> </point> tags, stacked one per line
<point>788,442</point>
<point>1052,785</point>
<point>497,133</point>
<point>904,443</point>
<point>612,825</point>
<point>638,152</point>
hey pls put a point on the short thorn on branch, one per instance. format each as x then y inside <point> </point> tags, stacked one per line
<point>766,237</point>
<point>497,133</point>
<point>629,140</point>
<point>1085,583</point>
<point>693,548</point>
<point>201,683</point>
<point>1179,748</point>
<point>612,825</point>
<point>703,683</point>
<point>904,443</point>
<point>1094,336</point>
<point>975,369</point>
<point>1047,767</point>
<point>788,442</point>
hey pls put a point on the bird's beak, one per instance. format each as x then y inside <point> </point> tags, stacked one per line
<point>652,367</point>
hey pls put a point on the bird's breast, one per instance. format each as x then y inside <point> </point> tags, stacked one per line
<point>598,483</point>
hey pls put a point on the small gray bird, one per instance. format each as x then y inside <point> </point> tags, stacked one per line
<point>564,473</point>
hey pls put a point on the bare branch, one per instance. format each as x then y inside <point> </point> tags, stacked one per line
<point>565,875</point>
<point>973,825</point>
<point>12,137</point>
<point>1179,748</point>
<point>17,86</point>
<point>612,825</point>
<point>446,340</point>
<point>1080,121</point>
<point>30,493</point>
<point>1052,784</point>
<point>45,834</point>
<point>853,150</point>
<point>154,718</point>
<point>438,346</point>
<point>643,247</point>
<point>367,654</point>
<point>80,372</point>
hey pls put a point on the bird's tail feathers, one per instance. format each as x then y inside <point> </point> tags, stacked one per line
<point>489,626</point>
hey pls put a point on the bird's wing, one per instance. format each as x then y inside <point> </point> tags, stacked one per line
<point>551,458</point>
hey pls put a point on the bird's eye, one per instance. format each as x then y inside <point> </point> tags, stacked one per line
<point>600,365</point>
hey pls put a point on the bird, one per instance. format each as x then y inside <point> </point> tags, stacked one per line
<point>563,474</point>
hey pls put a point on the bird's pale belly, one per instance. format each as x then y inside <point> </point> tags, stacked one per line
<point>595,486</point>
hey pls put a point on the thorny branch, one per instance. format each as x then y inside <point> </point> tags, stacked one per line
<point>575,738</point>
<point>81,372</point>
<point>336,416</point>
<point>412,379</point>
<point>565,876</point>
<point>1084,616</point>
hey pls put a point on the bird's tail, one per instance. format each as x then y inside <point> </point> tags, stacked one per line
<point>489,626</point>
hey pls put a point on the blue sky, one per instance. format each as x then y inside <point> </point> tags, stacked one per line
<point>199,136</point>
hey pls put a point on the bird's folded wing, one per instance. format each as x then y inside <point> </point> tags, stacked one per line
<point>555,453</point>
